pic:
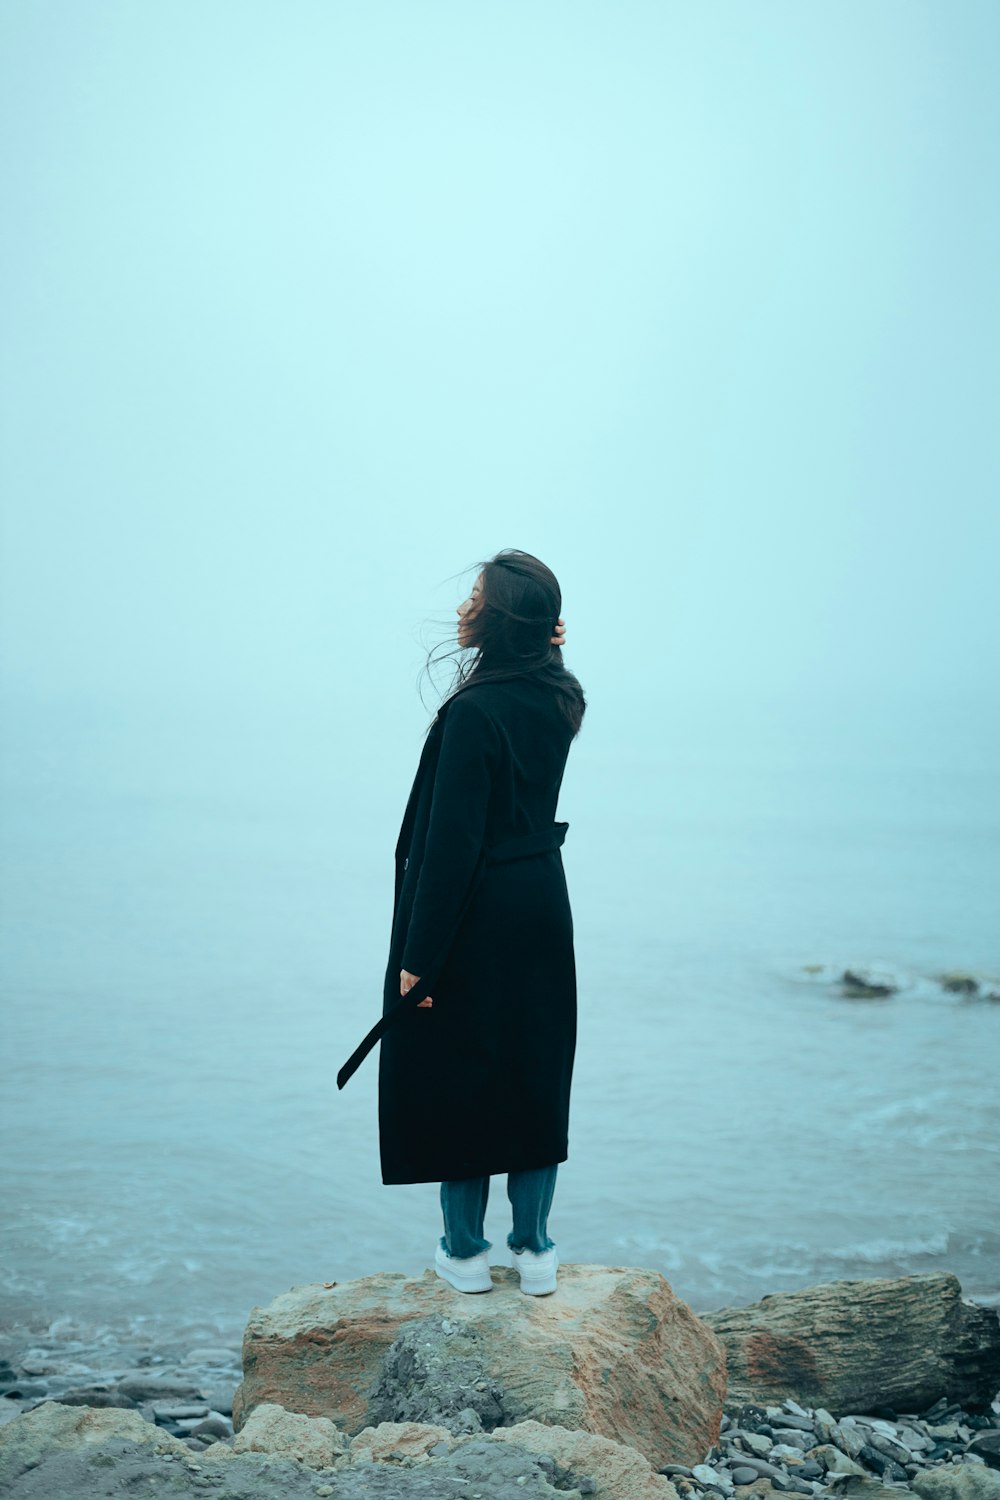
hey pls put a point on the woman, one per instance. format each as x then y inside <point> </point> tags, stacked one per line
<point>478,1028</point>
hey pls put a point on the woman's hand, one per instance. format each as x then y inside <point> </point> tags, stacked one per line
<point>406,983</point>
<point>559,639</point>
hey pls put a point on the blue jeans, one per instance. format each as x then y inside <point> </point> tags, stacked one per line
<point>463,1204</point>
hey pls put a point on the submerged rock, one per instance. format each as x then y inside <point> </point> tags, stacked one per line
<point>957,983</point>
<point>865,984</point>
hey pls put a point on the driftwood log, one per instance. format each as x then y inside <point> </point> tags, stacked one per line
<point>850,1346</point>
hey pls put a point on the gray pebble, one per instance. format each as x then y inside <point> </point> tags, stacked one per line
<point>705,1474</point>
<point>889,1447</point>
<point>782,1481</point>
<point>179,1411</point>
<point>782,1452</point>
<point>26,1390</point>
<point>220,1397</point>
<point>883,1465</point>
<point>95,1398</point>
<point>213,1426</point>
<point>152,1389</point>
<point>848,1437</point>
<point>917,1442</point>
<point>756,1442</point>
<point>212,1355</point>
<point>759,1465</point>
<point>795,1408</point>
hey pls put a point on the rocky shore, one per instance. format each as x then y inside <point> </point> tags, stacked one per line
<point>611,1387</point>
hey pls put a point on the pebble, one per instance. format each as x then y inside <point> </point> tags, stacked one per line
<point>174,1411</point>
<point>147,1389</point>
<point>214,1426</point>
<point>757,1442</point>
<point>212,1356</point>
<point>707,1475</point>
<point>850,1439</point>
<point>787,1482</point>
<point>220,1397</point>
<point>890,1447</point>
<point>25,1390</point>
<point>94,1397</point>
<point>835,1460</point>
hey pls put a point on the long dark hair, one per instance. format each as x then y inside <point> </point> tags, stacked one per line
<point>510,633</point>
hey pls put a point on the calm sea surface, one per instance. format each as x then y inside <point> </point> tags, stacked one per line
<point>195,915</point>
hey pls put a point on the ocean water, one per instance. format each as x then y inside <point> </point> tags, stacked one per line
<point>195,922</point>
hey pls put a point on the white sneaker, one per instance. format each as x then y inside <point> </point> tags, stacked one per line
<point>471,1274</point>
<point>537,1270</point>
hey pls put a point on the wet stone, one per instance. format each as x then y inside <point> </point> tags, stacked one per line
<point>213,1426</point>
<point>882,1464</point>
<point>151,1389</point>
<point>889,1447</point>
<point>705,1474</point>
<point>102,1398</point>
<point>785,1482</point>
<point>173,1411</point>
<point>751,1417</point>
<point>987,1444</point>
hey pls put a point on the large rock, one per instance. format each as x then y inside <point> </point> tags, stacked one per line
<point>847,1346</point>
<point>613,1351</point>
<point>25,1441</point>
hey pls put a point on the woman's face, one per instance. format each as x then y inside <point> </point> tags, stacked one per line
<point>467,609</point>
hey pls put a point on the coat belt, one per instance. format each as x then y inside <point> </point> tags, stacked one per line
<point>520,847</point>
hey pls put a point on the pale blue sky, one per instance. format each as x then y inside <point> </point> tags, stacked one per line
<point>306,306</point>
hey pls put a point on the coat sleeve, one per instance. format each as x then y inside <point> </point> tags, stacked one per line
<point>469,758</point>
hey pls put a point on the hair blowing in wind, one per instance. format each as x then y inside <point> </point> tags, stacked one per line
<point>510,632</point>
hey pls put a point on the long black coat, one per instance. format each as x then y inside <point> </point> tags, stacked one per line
<point>479,1082</point>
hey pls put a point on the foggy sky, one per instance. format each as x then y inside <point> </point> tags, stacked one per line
<point>308,306</point>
